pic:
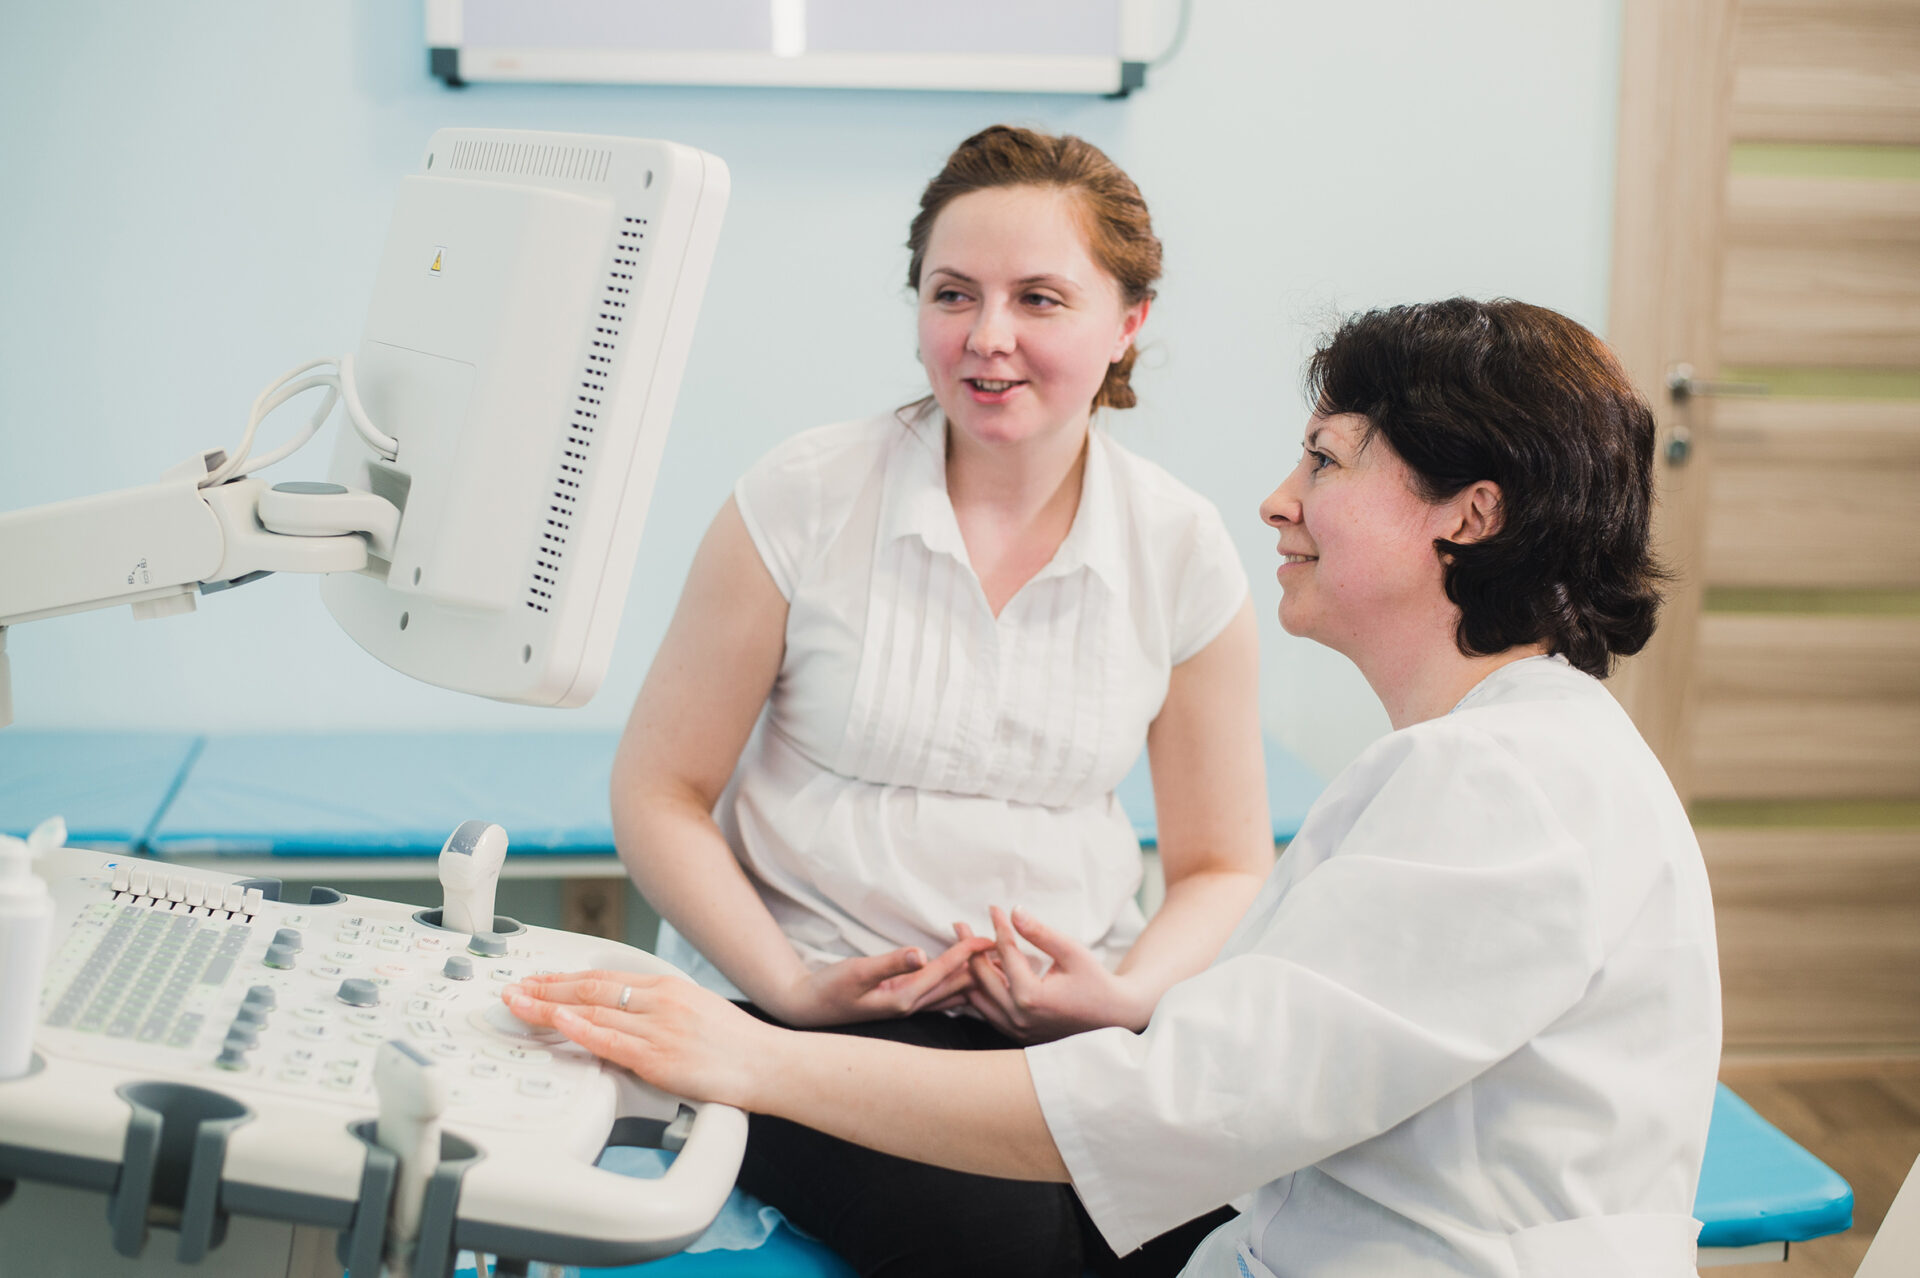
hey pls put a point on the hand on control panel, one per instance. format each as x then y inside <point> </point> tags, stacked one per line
<point>673,1034</point>
<point>470,864</point>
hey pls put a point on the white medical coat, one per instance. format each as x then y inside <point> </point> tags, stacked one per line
<point>1470,1025</point>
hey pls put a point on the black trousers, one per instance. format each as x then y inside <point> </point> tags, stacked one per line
<point>894,1218</point>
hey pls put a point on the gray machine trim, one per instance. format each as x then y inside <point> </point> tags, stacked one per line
<point>176,1146</point>
<point>22,1162</point>
<point>364,1242</point>
<point>440,1207</point>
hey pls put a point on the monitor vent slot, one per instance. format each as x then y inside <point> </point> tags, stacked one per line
<point>583,422</point>
<point>526,159</point>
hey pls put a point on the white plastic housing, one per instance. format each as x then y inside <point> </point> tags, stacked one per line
<point>539,1142</point>
<point>528,330</point>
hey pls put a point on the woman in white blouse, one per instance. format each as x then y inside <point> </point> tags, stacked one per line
<point>1471,1024</point>
<point>914,656</point>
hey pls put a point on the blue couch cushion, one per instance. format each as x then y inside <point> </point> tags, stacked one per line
<point>1758,1185</point>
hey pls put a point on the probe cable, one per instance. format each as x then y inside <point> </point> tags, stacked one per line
<point>340,385</point>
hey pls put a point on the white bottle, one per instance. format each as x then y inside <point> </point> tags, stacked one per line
<point>26,929</point>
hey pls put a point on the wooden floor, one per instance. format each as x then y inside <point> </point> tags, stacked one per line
<point>1861,1118</point>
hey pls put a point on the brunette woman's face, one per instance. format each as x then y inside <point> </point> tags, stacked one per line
<point>1357,558</point>
<point>1018,322</point>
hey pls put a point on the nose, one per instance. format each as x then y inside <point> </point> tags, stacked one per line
<point>991,334</point>
<point>1281,509</point>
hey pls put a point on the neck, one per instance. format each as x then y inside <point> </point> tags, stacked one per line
<point>1021,482</point>
<point>1417,682</point>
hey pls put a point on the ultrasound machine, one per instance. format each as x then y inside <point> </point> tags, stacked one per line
<point>201,1076</point>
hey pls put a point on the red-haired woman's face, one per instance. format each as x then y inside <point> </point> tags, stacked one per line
<point>1018,322</point>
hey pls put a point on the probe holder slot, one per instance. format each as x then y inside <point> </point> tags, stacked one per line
<point>362,1246</point>
<point>272,889</point>
<point>170,1166</point>
<point>502,925</point>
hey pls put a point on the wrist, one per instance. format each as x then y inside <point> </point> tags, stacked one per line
<point>1139,996</point>
<point>769,1060</point>
<point>782,995</point>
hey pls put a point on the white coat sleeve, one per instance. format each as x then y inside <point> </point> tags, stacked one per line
<point>1452,922</point>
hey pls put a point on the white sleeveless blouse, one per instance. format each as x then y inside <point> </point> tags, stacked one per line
<point>919,759</point>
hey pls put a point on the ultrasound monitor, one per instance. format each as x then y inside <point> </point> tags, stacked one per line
<point>526,338</point>
<point>509,401</point>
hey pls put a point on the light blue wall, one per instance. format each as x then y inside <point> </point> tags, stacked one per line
<point>196,193</point>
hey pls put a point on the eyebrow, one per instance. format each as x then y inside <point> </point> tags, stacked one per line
<point>964,278</point>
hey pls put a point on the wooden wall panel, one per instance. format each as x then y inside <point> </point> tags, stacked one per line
<point>1819,939</point>
<point>1842,526</point>
<point>1795,656</point>
<point>1840,305</point>
<point>1801,432</point>
<point>1827,71</point>
<point>1785,747</point>
<point>1807,707</point>
<point>1764,209</point>
<point>1814,493</point>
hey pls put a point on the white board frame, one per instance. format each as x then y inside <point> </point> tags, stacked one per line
<point>1140,22</point>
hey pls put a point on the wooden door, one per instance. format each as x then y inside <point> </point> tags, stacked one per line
<point>1768,233</point>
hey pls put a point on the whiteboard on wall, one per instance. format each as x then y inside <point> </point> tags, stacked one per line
<point>1043,46</point>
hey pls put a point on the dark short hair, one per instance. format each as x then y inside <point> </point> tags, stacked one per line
<point>1522,396</point>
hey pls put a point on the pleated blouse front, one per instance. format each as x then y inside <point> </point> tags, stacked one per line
<point>920,759</point>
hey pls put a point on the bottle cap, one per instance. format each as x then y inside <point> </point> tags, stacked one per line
<point>17,879</point>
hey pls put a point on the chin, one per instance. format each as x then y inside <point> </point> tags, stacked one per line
<point>1293,625</point>
<point>990,427</point>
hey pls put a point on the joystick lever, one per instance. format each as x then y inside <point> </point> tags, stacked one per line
<point>469,871</point>
<point>412,1097</point>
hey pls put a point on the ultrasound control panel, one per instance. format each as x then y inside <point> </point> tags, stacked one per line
<point>167,967</point>
<point>172,995</point>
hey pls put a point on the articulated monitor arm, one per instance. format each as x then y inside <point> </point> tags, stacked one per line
<point>159,545</point>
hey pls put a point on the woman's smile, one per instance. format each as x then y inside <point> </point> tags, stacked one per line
<point>985,390</point>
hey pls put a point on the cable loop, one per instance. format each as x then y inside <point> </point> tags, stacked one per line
<point>339,384</point>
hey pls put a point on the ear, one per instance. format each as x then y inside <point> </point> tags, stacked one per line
<point>1130,327</point>
<point>1477,512</point>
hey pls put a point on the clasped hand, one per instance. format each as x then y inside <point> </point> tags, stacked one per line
<point>1029,1002</point>
<point>1074,992</point>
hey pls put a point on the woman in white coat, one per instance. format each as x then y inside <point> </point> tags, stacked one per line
<point>1471,1024</point>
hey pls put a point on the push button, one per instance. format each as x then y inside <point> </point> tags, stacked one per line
<point>357,993</point>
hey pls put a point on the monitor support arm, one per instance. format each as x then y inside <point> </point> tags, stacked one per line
<point>159,545</point>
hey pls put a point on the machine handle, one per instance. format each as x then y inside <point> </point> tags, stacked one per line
<point>574,1213</point>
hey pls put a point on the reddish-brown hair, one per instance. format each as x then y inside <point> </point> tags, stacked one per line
<point>1119,231</point>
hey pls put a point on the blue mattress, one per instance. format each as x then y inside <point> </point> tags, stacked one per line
<point>1759,1186</point>
<point>110,786</point>
<point>399,794</point>
<point>390,793</point>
